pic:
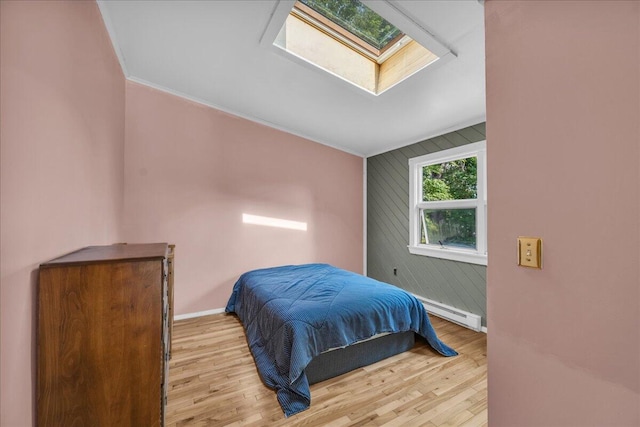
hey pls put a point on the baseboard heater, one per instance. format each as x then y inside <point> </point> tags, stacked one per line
<point>469,320</point>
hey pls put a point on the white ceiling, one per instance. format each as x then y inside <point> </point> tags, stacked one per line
<point>210,52</point>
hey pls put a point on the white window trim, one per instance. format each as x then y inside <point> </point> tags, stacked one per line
<point>478,256</point>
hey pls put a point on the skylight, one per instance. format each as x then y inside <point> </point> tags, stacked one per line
<point>358,19</point>
<point>349,40</point>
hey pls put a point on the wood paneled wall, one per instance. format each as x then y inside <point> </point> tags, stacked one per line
<point>453,283</point>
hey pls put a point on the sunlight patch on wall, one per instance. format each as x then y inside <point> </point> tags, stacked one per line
<point>273,222</point>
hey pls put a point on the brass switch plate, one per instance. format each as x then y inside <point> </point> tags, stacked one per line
<point>530,252</point>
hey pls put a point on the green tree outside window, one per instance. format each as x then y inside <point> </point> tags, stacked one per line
<point>454,180</point>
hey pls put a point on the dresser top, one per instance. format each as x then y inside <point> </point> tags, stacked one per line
<point>118,252</point>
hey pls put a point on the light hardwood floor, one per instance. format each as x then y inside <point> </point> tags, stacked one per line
<point>213,381</point>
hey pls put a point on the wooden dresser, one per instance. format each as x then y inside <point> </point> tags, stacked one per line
<point>103,339</point>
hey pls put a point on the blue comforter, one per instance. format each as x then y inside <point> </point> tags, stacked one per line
<point>294,313</point>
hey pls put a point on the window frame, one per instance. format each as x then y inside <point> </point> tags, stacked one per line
<point>416,204</point>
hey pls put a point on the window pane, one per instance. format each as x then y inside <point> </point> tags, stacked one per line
<point>455,180</point>
<point>454,228</point>
<point>358,19</point>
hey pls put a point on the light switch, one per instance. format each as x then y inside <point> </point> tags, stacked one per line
<point>530,252</point>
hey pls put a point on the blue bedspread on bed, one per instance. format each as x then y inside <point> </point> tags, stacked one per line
<point>294,313</point>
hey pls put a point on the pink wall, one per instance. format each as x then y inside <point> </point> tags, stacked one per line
<point>563,153</point>
<point>191,172</point>
<point>62,148</point>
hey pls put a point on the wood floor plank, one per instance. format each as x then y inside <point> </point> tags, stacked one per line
<point>213,381</point>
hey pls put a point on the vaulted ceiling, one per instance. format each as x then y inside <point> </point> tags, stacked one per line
<point>214,52</point>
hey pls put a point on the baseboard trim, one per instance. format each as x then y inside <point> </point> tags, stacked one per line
<point>198,314</point>
<point>425,302</point>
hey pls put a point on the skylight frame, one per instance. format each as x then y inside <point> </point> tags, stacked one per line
<point>385,8</point>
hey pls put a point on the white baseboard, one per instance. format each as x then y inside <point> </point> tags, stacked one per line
<point>452,314</point>
<point>198,314</point>
<point>437,309</point>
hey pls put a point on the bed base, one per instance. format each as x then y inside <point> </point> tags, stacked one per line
<point>340,361</point>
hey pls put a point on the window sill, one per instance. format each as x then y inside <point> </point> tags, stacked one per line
<point>450,254</point>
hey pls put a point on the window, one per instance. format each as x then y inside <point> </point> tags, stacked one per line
<point>448,203</point>
<point>355,22</point>
<point>349,40</point>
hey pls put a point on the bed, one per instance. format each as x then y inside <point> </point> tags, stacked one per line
<point>314,321</point>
